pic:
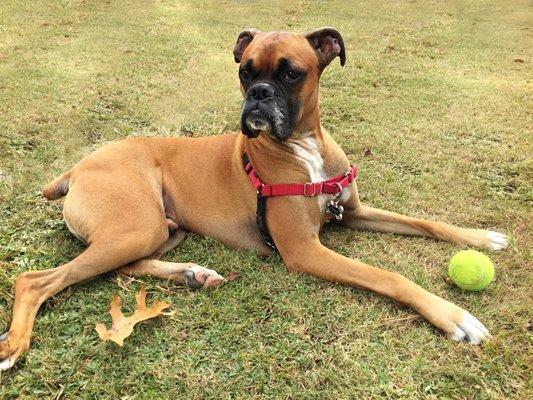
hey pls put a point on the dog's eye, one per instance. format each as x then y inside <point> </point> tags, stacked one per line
<point>292,75</point>
<point>245,75</point>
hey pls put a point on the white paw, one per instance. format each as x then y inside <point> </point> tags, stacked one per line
<point>201,277</point>
<point>497,240</point>
<point>471,330</point>
<point>7,363</point>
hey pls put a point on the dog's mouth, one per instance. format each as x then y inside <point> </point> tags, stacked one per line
<point>254,121</point>
<point>265,117</point>
<point>257,122</point>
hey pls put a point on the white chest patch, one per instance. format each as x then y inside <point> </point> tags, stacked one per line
<point>306,150</point>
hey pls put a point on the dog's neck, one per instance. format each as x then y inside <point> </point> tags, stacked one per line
<point>309,123</point>
<point>301,153</point>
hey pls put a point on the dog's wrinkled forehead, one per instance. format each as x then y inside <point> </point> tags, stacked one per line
<point>267,49</point>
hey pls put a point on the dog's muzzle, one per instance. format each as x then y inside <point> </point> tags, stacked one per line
<point>257,122</point>
<point>256,116</point>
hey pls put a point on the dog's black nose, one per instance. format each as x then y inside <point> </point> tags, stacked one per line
<point>261,91</point>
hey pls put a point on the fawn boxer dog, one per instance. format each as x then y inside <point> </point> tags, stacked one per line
<point>270,187</point>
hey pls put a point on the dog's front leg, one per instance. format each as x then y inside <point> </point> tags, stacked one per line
<point>362,217</point>
<point>313,258</point>
<point>295,231</point>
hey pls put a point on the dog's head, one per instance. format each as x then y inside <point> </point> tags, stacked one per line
<point>279,74</point>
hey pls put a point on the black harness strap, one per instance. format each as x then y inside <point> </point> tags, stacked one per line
<point>261,210</point>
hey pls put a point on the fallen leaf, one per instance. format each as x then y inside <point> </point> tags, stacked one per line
<point>232,276</point>
<point>122,326</point>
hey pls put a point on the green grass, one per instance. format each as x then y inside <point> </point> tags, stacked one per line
<point>432,89</point>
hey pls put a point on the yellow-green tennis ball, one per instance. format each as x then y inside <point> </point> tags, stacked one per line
<point>471,270</point>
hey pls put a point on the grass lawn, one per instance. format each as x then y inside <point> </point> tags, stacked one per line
<point>434,105</point>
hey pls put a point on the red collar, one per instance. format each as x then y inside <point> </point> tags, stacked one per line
<point>333,185</point>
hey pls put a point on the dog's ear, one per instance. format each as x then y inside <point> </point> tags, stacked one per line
<point>243,40</point>
<point>328,44</point>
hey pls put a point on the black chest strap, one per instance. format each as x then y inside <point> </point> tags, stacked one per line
<point>260,214</point>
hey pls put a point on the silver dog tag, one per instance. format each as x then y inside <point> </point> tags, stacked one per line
<point>334,208</point>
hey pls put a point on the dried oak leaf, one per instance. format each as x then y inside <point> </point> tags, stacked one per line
<point>122,326</point>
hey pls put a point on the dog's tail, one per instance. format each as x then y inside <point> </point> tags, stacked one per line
<point>58,187</point>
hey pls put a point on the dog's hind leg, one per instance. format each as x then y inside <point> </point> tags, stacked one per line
<point>108,251</point>
<point>193,275</point>
<point>190,274</point>
<point>373,219</point>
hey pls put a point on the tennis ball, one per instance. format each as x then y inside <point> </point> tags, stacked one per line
<point>471,270</point>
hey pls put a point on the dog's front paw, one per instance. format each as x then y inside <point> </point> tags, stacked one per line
<point>486,239</point>
<point>456,323</point>
<point>197,277</point>
<point>10,350</point>
<point>470,329</point>
<point>496,240</point>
